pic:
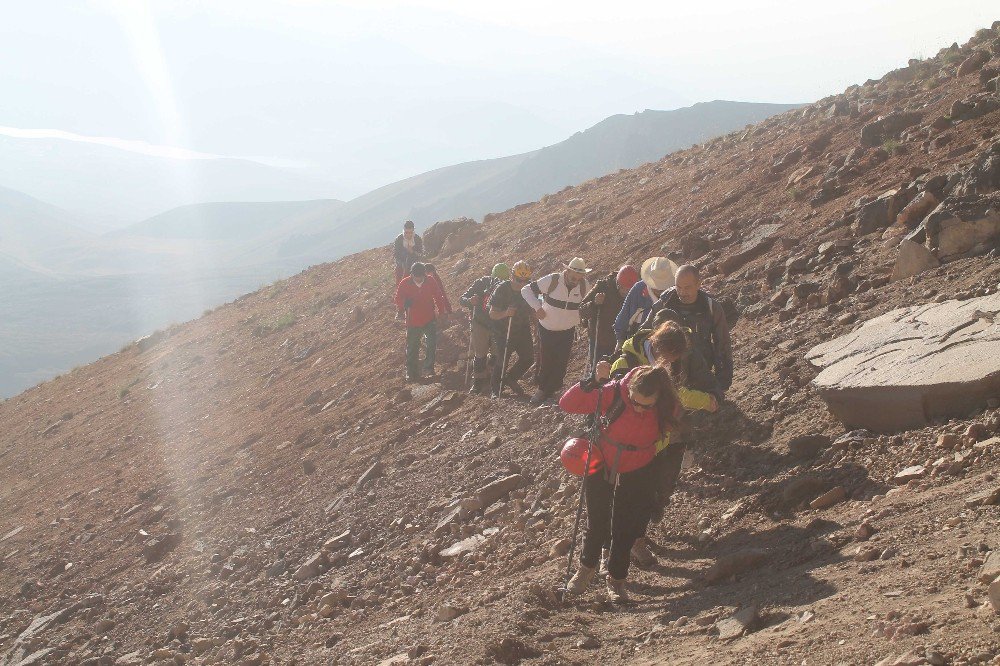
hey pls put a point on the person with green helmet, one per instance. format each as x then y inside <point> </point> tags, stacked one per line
<point>512,331</point>
<point>476,298</point>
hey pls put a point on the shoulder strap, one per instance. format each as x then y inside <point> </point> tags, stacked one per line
<point>553,284</point>
<point>616,408</point>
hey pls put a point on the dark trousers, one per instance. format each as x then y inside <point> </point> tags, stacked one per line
<point>414,336</point>
<point>521,345</point>
<point>554,351</point>
<point>666,469</point>
<point>633,502</point>
<point>604,348</point>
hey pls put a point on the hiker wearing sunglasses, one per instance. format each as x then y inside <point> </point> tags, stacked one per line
<point>556,298</point>
<point>638,414</point>
<point>668,343</point>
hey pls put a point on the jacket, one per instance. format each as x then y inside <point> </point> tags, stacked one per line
<point>432,275</point>
<point>477,296</point>
<point>561,305</point>
<point>639,431</point>
<point>698,377</point>
<point>601,318</point>
<point>419,302</point>
<point>633,312</point>
<point>406,259</point>
<point>706,318</point>
<point>504,296</point>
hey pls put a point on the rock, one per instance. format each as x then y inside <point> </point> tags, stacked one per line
<point>886,127</point>
<point>312,567</point>
<point>993,594</point>
<point>866,554</point>
<point>376,470</point>
<point>156,549</point>
<point>864,532</point>
<point>448,612</point>
<point>960,224</point>
<point>915,211</point>
<point>829,498</point>
<point>738,624</point>
<point>460,512</point>
<point>588,643</point>
<point>448,237</point>
<point>989,497</point>
<point>909,474</point>
<point>560,547</point>
<point>492,492</point>
<point>877,215</point>
<point>808,446</point>
<point>401,659</point>
<point>736,563</point>
<point>912,259</point>
<point>949,441</point>
<point>801,489</point>
<point>973,63</point>
<point>990,570</point>
<point>911,365</point>
<point>308,466</point>
<point>464,546</point>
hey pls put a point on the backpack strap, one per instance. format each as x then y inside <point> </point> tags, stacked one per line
<point>553,284</point>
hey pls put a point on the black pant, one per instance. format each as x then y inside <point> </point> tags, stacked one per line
<point>555,348</point>
<point>633,502</point>
<point>666,469</point>
<point>520,344</point>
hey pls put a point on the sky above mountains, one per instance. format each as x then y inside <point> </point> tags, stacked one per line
<point>365,93</point>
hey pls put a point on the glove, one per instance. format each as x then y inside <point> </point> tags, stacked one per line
<point>588,383</point>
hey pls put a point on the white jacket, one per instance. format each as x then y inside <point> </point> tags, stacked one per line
<point>561,306</point>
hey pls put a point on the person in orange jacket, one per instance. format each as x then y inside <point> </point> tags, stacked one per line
<point>422,298</point>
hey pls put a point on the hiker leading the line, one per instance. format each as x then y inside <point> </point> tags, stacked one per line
<point>418,295</point>
<point>477,298</point>
<point>407,250</point>
<point>601,306</point>
<point>657,275</point>
<point>641,410</point>
<point>507,310</point>
<point>705,317</point>
<point>556,298</point>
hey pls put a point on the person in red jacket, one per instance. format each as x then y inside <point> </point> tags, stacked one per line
<point>620,496</point>
<point>432,274</point>
<point>418,295</point>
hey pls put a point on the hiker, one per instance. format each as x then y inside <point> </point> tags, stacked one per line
<point>408,248</point>
<point>601,306</point>
<point>666,342</point>
<point>477,298</point>
<point>657,275</point>
<point>706,318</point>
<point>642,408</point>
<point>418,296</point>
<point>508,311</point>
<point>555,298</point>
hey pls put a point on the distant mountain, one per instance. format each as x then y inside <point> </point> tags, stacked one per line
<point>107,185</point>
<point>30,229</point>
<point>473,189</point>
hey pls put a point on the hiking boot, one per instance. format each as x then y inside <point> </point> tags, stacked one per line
<point>617,594</point>
<point>641,554</point>
<point>411,378</point>
<point>581,580</point>
<point>538,398</point>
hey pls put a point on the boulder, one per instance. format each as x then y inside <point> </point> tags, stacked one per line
<point>829,498</point>
<point>450,236</point>
<point>961,224</point>
<point>492,492</point>
<point>973,63</point>
<point>991,569</point>
<point>912,259</point>
<point>878,214</point>
<point>912,365</point>
<point>886,127</point>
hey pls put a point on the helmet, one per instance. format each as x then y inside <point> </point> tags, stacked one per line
<point>501,271</point>
<point>627,277</point>
<point>574,457</point>
<point>522,271</point>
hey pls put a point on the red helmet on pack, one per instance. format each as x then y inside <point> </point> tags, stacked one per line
<point>574,457</point>
<point>627,276</point>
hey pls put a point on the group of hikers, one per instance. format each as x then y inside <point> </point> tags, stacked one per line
<point>658,345</point>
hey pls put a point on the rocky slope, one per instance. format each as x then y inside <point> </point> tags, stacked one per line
<point>257,486</point>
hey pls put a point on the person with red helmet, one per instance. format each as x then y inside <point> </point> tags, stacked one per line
<point>638,412</point>
<point>602,304</point>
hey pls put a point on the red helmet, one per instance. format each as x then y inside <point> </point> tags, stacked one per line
<point>574,456</point>
<point>627,277</point>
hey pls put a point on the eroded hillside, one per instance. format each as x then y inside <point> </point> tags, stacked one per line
<point>258,486</point>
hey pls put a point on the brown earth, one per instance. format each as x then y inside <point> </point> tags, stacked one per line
<point>256,487</point>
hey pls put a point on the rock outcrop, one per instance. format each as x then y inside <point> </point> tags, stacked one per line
<point>912,365</point>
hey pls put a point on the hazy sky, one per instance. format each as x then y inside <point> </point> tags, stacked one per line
<point>369,92</point>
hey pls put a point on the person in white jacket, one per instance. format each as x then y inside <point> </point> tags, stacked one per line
<point>556,298</point>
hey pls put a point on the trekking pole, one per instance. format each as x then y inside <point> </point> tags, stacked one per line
<point>596,432</point>
<point>593,355</point>
<point>468,356</point>
<point>506,355</point>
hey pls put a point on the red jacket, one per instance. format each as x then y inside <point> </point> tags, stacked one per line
<point>444,296</point>
<point>419,301</point>
<point>638,429</point>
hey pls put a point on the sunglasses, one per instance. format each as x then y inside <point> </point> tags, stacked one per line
<point>641,406</point>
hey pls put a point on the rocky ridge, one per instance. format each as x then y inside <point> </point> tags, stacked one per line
<point>258,486</point>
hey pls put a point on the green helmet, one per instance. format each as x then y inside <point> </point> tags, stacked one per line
<point>501,271</point>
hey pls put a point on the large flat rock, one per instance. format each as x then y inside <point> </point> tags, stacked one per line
<point>912,365</point>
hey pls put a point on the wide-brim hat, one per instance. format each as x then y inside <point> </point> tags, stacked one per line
<point>658,273</point>
<point>577,265</point>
